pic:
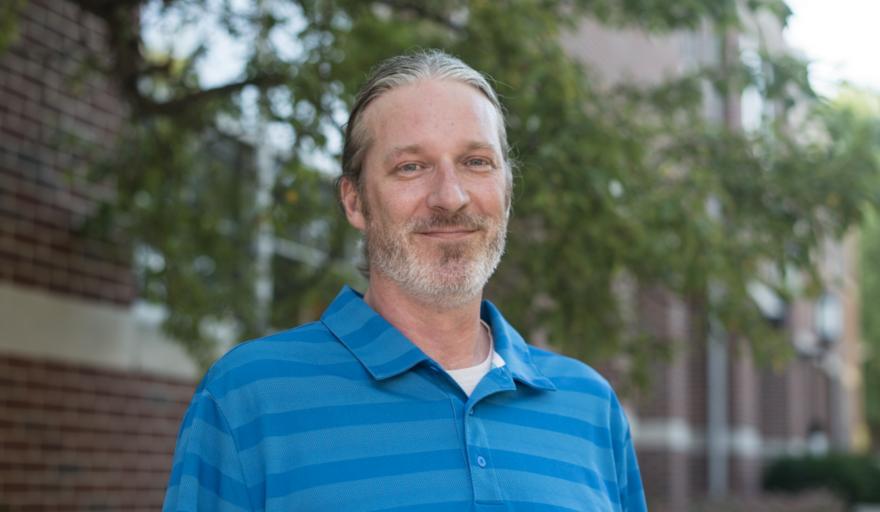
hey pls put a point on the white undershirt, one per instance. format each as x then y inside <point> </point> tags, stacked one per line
<point>468,378</point>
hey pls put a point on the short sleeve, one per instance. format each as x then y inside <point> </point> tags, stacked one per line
<point>629,478</point>
<point>206,473</point>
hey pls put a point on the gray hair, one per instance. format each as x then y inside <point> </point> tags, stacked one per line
<point>404,70</point>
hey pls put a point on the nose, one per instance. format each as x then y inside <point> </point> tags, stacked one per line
<point>448,192</point>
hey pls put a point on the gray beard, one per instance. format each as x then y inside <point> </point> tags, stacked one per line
<point>449,281</point>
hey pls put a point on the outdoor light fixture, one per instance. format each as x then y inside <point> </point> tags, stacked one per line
<point>773,307</point>
<point>828,319</point>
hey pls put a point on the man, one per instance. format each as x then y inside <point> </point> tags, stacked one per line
<point>416,395</point>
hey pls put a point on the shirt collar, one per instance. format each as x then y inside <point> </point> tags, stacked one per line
<point>513,349</point>
<point>385,352</point>
<point>379,346</point>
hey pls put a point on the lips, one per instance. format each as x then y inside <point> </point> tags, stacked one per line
<point>449,227</point>
<point>448,233</point>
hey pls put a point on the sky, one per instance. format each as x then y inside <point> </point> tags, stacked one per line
<point>841,37</point>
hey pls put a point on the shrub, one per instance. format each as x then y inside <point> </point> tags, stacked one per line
<point>810,501</point>
<point>855,478</point>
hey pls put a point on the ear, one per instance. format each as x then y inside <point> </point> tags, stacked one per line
<point>351,203</point>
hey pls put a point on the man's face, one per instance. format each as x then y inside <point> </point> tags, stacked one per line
<point>434,197</point>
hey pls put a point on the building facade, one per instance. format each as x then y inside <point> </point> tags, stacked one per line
<point>713,416</point>
<point>91,394</point>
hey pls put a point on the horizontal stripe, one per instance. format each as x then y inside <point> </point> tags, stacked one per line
<point>550,467</point>
<point>273,345</point>
<point>319,446</point>
<point>190,496</point>
<point>350,318</point>
<point>553,445</point>
<point>524,487</point>
<point>315,475</point>
<point>553,422</point>
<point>443,506</point>
<point>582,385</point>
<point>367,333</point>
<point>288,394</point>
<point>265,369</point>
<point>406,359</point>
<point>220,445</point>
<point>323,348</point>
<point>534,506</point>
<point>589,408</point>
<point>405,491</point>
<point>281,424</point>
<point>463,506</point>
<point>208,477</point>
<point>313,334</point>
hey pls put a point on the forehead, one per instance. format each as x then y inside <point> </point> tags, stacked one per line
<point>432,113</point>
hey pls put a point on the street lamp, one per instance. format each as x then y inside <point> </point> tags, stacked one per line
<point>828,323</point>
<point>828,319</point>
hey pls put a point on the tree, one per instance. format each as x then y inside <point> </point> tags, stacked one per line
<point>857,113</point>
<point>870,255</point>
<point>614,184</point>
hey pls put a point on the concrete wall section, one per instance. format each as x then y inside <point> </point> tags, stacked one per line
<point>40,324</point>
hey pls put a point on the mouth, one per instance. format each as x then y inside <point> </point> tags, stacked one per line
<point>448,234</point>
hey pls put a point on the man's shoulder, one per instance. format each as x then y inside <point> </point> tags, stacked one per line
<point>280,344</point>
<point>581,384</point>
<point>569,373</point>
<point>307,345</point>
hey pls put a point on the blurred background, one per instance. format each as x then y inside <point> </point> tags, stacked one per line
<point>695,215</point>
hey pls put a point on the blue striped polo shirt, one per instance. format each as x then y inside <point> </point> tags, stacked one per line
<point>346,414</point>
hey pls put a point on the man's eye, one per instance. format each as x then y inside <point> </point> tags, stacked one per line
<point>409,167</point>
<point>478,162</point>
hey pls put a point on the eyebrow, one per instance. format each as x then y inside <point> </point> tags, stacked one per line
<point>481,145</point>
<point>416,148</point>
<point>400,150</point>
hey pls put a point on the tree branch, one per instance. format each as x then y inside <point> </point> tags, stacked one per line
<point>99,7</point>
<point>176,105</point>
<point>419,9</point>
<point>129,66</point>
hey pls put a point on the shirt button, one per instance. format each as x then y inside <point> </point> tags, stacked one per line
<point>481,461</point>
<point>471,412</point>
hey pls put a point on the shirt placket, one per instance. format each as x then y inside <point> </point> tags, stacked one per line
<point>484,477</point>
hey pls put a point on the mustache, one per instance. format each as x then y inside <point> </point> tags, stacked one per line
<point>462,220</point>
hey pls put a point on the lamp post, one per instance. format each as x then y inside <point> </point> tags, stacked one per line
<point>828,324</point>
<point>828,319</point>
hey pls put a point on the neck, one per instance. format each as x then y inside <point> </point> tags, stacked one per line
<point>452,336</point>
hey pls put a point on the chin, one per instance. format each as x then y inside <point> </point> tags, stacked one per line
<point>449,297</point>
<point>451,284</point>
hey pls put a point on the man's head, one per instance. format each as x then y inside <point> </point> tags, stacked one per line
<point>426,176</point>
<point>405,70</point>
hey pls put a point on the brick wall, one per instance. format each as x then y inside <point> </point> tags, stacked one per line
<point>54,119</point>
<point>79,438</point>
<point>73,436</point>
<point>769,411</point>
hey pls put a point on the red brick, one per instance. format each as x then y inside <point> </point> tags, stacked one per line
<point>38,106</point>
<point>70,433</point>
<point>71,438</point>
